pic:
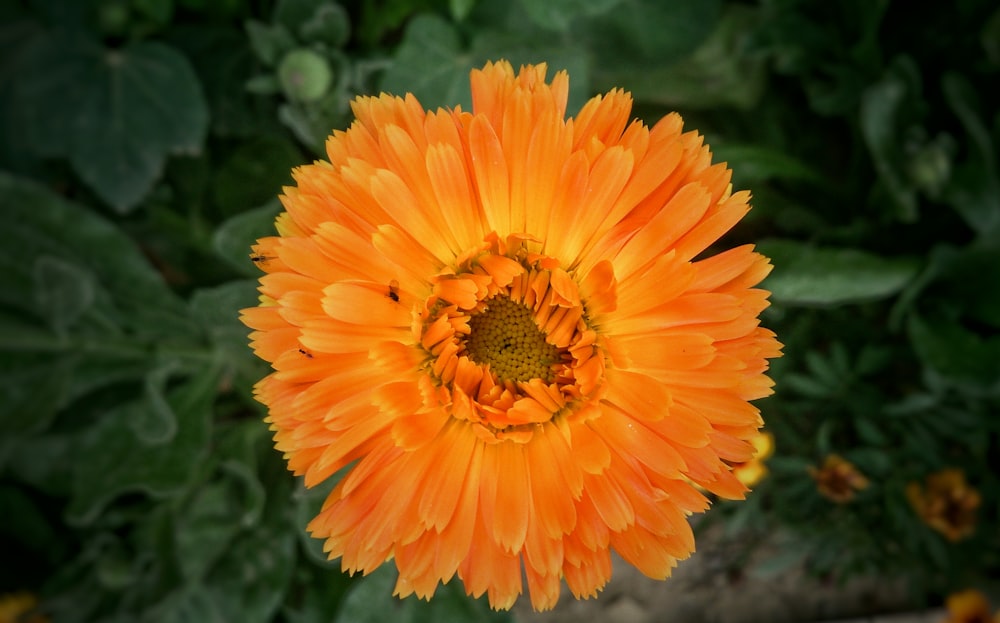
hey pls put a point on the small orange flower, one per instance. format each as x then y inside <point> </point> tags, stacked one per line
<point>753,471</point>
<point>838,479</point>
<point>20,607</point>
<point>969,606</point>
<point>497,320</point>
<point>947,503</point>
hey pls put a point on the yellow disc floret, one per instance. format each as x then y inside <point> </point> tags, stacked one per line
<point>505,336</point>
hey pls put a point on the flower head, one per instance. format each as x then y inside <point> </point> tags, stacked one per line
<point>20,607</point>
<point>837,479</point>
<point>969,606</point>
<point>946,503</point>
<point>498,320</point>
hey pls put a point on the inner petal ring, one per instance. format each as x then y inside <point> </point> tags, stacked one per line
<point>507,336</point>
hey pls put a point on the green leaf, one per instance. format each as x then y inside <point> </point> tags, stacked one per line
<point>144,104</point>
<point>559,14</point>
<point>330,24</point>
<point>269,42</point>
<point>232,240</point>
<point>154,420</point>
<point>249,584</point>
<point>808,275</point>
<point>429,64</point>
<point>63,291</point>
<point>460,9</point>
<point>370,600</point>
<point>641,31</point>
<point>112,461</point>
<point>217,310</point>
<point>720,72</point>
<point>318,593</point>
<point>116,114</point>
<point>975,188</point>
<point>960,355</point>
<point>308,503</point>
<point>230,502</point>
<point>81,308</point>
<point>752,164</point>
<point>880,114</point>
<point>450,603</point>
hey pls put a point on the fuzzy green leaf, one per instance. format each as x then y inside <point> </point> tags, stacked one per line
<point>809,275</point>
<point>116,114</point>
<point>559,14</point>
<point>112,460</point>
<point>429,64</point>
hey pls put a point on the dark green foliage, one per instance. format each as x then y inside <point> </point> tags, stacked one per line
<point>144,142</point>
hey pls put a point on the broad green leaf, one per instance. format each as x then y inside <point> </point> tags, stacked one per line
<point>293,13</point>
<point>370,600</point>
<point>82,309</point>
<point>809,275</point>
<point>143,104</point>
<point>249,583</point>
<point>752,164</point>
<point>116,114</point>
<point>111,460</point>
<point>429,64</point>
<point>329,24</point>
<point>230,501</point>
<point>63,291</point>
<point>719,72</point>
<point>269,41</point>
<point>880,114</point>
<point>233,238</point>
<point>154,420</point>
<point>638,32</point>
<point>460,9</point>
<point>450,603</point>
<point>316,594</point>
<point>205,528</point>
<point>559,14</point>
<point>975,188</point>
<point>127,290</point>
<point>958,354</point>
<point>218,309</point>
<point>308,503</point>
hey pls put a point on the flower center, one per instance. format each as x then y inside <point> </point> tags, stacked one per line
<point>504,336</point>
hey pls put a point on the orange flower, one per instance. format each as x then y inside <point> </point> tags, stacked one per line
<point>20,607</point>
<point>947,504</point>
<point>495,317</point>
<point>969,606</point>
<point>753,471</point>
<point>838,479</point>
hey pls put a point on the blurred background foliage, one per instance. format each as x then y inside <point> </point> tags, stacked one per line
<point>144,141</point>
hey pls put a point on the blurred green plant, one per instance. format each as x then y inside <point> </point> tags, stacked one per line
<point>144,142</point>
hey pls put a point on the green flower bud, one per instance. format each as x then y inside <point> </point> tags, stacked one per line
<point>929,167</point>
<point>305,76</point>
